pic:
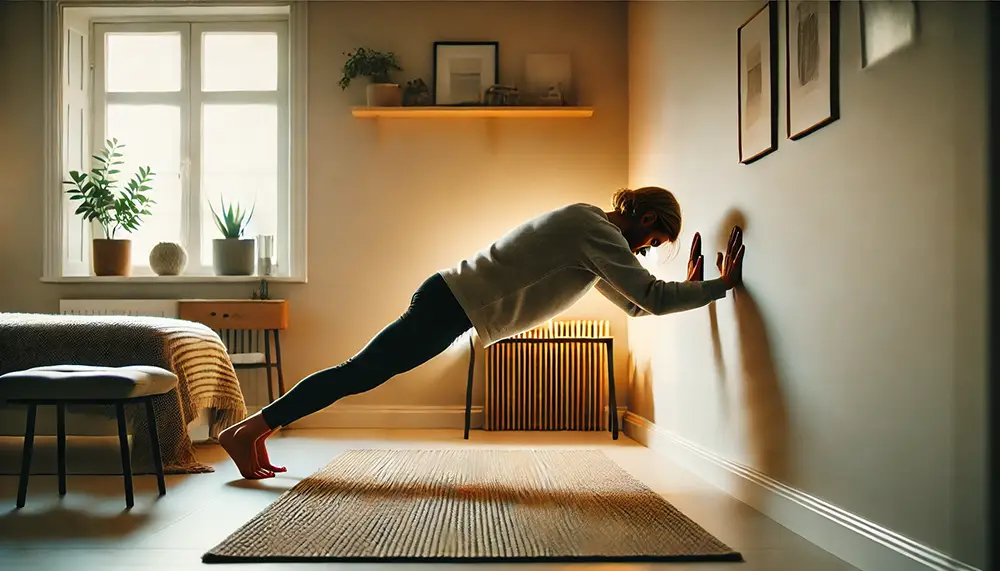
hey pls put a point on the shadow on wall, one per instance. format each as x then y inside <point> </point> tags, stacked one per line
<point>765,410</point>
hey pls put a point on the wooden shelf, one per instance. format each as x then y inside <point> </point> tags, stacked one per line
<point>472,112</point>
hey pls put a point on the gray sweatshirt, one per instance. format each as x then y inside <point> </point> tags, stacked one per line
<point>544,266</point>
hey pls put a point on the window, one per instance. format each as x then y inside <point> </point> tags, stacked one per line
<point>212,102</point>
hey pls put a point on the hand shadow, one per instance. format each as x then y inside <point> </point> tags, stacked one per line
<point>765,408</point>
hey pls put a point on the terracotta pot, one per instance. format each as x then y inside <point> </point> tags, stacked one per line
<point>112,257</point>
<point>384,95</point>
<point>233,257</point>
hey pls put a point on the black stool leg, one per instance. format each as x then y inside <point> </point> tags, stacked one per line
<point>468,389</point>
<point>29,443</point>
<point>277,364</point>
<point>126,457</point>
<point>154,440</point>
<point>61,445</point>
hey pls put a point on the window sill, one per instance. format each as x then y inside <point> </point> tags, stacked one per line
<point>170,279</point>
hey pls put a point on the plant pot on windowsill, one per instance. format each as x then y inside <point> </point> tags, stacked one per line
<point>100,198</point>
<point>232,255</point>
<point>112,257</point>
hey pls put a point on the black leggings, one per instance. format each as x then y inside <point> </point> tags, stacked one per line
<point>432,322</point>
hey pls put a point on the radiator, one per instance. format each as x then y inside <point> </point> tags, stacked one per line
<point>553,377</point>
<point>144,307</point>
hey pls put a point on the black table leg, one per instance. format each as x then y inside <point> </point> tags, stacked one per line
<point>277,359</point>
<point>267,364</point>
<point>29,443</point>
<point>613,405</point>
<point>154,441</point>
<point>468,390</point>
<point>61,449</point>
<point>126,457</point>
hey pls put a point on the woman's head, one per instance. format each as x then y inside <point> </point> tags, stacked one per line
<point>651,216</point>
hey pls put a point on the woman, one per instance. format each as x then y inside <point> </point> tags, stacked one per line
<point>528,276</point>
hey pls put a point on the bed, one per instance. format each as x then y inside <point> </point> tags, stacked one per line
<point>207,379</point>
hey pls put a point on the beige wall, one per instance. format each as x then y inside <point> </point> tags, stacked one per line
<point>389,204</point>
<point>853,367</point>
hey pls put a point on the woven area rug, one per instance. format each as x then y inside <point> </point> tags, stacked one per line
<point>470,505</point>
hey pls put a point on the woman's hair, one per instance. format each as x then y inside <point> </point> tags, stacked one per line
<point>633,204</point>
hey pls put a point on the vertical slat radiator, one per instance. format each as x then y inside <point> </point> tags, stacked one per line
<point>553,377</point>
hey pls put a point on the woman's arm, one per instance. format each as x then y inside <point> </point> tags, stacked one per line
<point>608,291</point>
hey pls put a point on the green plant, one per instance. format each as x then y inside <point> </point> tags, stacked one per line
<point>101,198</point>
<point>232,223</point>
<point>364,62</point>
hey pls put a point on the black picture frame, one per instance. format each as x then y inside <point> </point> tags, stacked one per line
<point>440,47</point>
<point>832,7</point>
<point>770,9</point>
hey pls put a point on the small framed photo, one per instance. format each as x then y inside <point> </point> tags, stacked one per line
<point>463,71</point>
<point>812,65</point>
<point>757,45</point>
<point>886,28</point>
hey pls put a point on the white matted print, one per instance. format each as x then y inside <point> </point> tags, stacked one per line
<point>757,44</point>
<point>463,71</point>
<point>812,65</point>
<point>757,47</point>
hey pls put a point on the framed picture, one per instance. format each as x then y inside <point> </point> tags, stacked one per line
<point>886,28</point>
<point>812,65</point>
<point>757,44</point>
<point>464,70</point>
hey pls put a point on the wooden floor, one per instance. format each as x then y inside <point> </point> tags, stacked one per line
<point>89,528</point>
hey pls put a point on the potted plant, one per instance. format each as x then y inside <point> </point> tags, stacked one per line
<point>113,207</point>
<point>232,255</point>
<point>377,67</point>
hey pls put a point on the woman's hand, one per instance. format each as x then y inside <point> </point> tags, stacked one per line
<point>731,264</point>
<point>696,261</point>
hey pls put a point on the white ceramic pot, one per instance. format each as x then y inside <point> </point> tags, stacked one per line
<point>384,95</point>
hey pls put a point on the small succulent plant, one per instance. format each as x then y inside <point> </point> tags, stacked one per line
<point>232,223</point>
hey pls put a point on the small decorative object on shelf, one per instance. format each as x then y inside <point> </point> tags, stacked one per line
<point>416,94</point>
<point>548,79</point>
<point>232,255</point>
<point>261,293</point>
<point>502,96</point>
<point>168,259</point>
<point>377,67</point>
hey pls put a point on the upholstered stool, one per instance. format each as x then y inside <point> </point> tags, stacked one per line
<point>60,385</point>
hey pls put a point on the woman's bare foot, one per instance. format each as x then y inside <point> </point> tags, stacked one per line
<point>262,459</point>
<point>239,441</point>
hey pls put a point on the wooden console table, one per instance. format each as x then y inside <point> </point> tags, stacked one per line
<point>240,322</point>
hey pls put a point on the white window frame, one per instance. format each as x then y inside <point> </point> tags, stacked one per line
<point>218,16</point>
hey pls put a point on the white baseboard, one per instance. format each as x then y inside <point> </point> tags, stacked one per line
<point>373,416</point>
<point>860,542</point>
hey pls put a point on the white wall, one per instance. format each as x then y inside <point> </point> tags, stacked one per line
<point>853,367</point>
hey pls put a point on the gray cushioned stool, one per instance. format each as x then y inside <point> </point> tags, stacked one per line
<point>60,385</point>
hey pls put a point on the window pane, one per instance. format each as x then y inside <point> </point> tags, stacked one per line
<point>239,163</point>
<point>143,62</point>
<point>151,135</point>
<point>239,61</point>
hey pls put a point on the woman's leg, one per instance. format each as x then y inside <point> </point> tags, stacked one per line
<point>431,323</point>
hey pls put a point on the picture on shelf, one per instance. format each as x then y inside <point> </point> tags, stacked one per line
<point>463,71</point>
<point>811,65</point>
<point>757,79</point>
